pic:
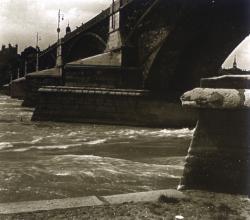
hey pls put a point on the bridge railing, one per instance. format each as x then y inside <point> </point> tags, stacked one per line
<point>104,14</point>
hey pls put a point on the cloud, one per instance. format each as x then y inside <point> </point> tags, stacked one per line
<point>21,19</point>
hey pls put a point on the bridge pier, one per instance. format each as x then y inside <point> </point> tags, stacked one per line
<point>17,88</point>
<point>47,77</point>
<point>115,67</point>
<point>219,155</point>
<point>110,106</point>
<point>107,88</point>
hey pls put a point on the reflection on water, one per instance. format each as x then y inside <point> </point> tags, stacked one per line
<point>46,160</point>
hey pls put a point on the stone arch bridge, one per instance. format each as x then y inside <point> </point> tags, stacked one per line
<point>172,44</point>
<point>131,63</point>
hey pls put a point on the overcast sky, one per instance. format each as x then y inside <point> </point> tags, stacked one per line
<point>20,20</point>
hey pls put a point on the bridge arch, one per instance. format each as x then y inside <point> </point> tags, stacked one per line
<point>85,45</point>
<point>47,60</point>
<point>198,44</point>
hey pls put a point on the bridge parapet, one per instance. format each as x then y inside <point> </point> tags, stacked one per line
<point>84,27</point>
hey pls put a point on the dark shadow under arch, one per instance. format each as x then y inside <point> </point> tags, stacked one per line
<point>85,45</point>
<point>198,45</point>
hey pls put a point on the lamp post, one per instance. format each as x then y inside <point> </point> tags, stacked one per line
<point>59,47</point>
<point>37,52</point>
<point>58,24</point>
<point>113,11</point>
<point>25,67</point>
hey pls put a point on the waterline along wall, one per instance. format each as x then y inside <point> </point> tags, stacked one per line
<point>110,106</point>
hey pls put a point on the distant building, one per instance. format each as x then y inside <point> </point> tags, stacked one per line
<point>28,60</point>
<point>13,65</point>
<point>9,63</point>
<point>234,70</point>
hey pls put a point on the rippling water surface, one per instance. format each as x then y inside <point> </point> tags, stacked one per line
<point>46,160</point>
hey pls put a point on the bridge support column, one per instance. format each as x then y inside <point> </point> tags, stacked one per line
<point>59,61</point>
<point>116,67</point>
<point>219,155</point>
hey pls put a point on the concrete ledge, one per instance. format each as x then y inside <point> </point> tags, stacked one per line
<point>46,205</point>
<point>60,204</point>
<point>151,196</point>
<point>108,59</point>
<point>53,72</point>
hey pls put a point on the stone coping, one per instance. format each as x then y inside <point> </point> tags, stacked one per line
<point>53,72</point>
<point>217,98</point>
<point>227,82</point>
<point>89,90</point>
<point>112,59</point>
<point>59,204</point>
<point>18,80</point>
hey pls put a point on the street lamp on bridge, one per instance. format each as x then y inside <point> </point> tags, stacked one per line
<point>113,11</point>
<point>37,51</point>
<point>58,24</point>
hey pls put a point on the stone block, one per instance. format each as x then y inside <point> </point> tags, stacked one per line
<point>150,196</point>
<point>219,155</point>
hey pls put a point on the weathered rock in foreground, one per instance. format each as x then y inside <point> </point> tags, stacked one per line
<point>219,155</point>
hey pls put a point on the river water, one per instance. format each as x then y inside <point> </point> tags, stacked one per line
<point>47,160</point>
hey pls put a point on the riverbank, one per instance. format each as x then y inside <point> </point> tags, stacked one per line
<point>192,205</point>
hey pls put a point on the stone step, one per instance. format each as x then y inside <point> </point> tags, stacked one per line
<point>48,205</point>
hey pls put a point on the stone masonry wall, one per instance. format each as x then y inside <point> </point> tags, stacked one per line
<point>139,110</point>
<point>31,97</point>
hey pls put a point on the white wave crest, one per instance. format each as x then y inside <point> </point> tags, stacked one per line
<point>185,132</point>
<point>63,174</point>
<point>5,145</point>
<point>66,146</point>
<point>36,140</point>
<point>133,133</point>
<point>99,141</point>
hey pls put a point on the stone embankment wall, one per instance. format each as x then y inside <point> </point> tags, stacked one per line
<point>109,106</point>
<point>31,98</point>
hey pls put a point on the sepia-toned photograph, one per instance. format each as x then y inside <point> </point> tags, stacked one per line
<point>124,109</point>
